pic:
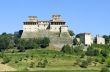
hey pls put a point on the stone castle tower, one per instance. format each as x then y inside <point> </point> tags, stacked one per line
<point>55,29</point>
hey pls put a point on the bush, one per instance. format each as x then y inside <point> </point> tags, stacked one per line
<point>6,60</point>
<point>103,59</point>
<point>39,64</point>
<point>82,55</point>
<point>31,65</point>
<point>108,64</point>
<point>16,61</point>
<point>1,55</point>
<point>45,62</point>
<point>96,60</point>
<point>84,64</point>
<point>92,52</point>
<point>77,62</point>
<point>67,49</point>
<point>104,53</point>
<point>104,69</point>
<point>20,59</point>
<point>78,50</point>
<point>42,64</point>
<point>89,60</point>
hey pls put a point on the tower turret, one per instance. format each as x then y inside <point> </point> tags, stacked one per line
<point>56,17</point>
<point>32,19</point>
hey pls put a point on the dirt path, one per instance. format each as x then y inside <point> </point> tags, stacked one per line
<point>4,67</point>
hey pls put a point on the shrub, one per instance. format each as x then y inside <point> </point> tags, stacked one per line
<point>77,62</point>
<point>67,49</point>
<point>84,64</point>
<point>82,55</point>
<point>42,64</point>
<point>1,55</point>
<point>31,65</point>
<point>92,52</point>
<point>96,60</point>
<point>6,60</point>
<point>45,62</point>
<point>20,59</point>
<point>39,64</point>
<point>104,69</point>
<point>108,64</point>
<point>104,53</point>
<point>16,61</point>
<point>89,60</point>
<point>54,56</point>
<point>103,59</point>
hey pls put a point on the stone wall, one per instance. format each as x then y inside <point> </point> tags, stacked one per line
<point>56,38</point>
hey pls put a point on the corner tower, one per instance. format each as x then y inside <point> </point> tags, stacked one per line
<point>58,25</point>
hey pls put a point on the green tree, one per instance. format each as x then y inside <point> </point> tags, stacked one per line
<point>71,32</point>
<point>5,40</point>
<point>67,49</point>
<point>104,53</point>
<point>21,45</point>
<point>44,42</point>
<point>92,52</point>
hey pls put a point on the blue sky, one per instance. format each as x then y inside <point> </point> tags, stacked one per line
<point>81,15</point>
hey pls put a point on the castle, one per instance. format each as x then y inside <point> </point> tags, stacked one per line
<point>55,29</point>
<point>54,25</point>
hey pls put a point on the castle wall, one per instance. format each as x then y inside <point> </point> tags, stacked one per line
<point>55,28</point>
<point>64,29</point>
<point>30,28</point>
<point>42,25</point>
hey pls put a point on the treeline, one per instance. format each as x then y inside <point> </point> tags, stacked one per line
<point>8,41</point>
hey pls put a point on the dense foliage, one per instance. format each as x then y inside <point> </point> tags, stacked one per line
<point>14,41</point>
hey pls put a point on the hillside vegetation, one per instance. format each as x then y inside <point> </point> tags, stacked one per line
<point>38,55</point>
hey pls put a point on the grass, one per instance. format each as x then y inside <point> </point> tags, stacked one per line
<point>57,61</point>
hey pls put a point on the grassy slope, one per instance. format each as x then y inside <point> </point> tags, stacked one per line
<point>58,62</point>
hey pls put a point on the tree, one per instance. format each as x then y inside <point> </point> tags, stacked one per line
<point>44,42</point>
<point>67,49</point>
<point>5,40</point>
<point>92,52</point>
<point>104,53</point>
<point>21,45</point>
<point>71,32</point>
<point>78,50</point>
<point>76,41</point>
